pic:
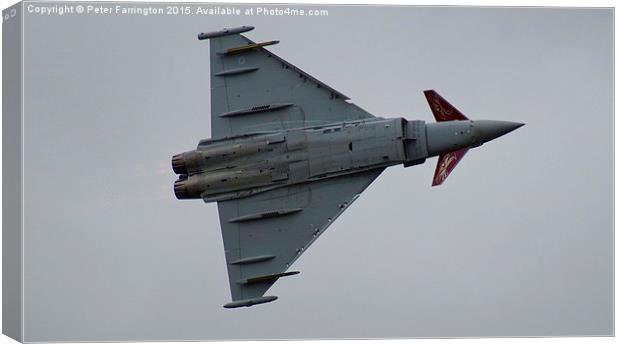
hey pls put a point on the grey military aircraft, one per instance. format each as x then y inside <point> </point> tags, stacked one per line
<point>289,154</point>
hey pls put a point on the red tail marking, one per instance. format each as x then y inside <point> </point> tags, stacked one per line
<point>442,110</point>
<point>446,163</point>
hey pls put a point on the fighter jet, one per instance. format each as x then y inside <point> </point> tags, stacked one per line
<point>289,154</point>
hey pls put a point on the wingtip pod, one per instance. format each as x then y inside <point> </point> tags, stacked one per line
<point>250,302</point>
<point>224,32</point>
<point>442,109</point>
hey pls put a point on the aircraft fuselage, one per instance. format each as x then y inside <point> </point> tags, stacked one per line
<point>240,166</point>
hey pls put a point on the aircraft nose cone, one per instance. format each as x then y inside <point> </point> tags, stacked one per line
<point>486,130</point>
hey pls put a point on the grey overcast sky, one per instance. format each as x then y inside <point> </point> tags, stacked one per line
<point>517,242</point>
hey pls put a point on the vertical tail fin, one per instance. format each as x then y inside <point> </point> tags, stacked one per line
<point>442,110</point>
<point>446,163</point>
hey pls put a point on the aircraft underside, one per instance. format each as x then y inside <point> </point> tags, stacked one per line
<point>289,154</point>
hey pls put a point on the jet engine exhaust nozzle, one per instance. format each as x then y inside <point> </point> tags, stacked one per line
<point>180,188</point>
<point>178,164</point>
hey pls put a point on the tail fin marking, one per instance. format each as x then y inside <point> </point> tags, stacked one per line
<point>442,110</point>
<point>446,163</point>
